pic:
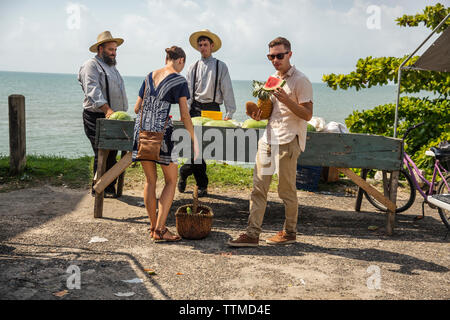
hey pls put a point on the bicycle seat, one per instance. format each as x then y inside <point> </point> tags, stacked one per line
<point>441,153</point>
<point>430,153</point>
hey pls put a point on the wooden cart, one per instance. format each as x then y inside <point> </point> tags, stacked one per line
<point>342,151</point>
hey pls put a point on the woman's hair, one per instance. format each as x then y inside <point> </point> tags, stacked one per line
<point>174,53</point>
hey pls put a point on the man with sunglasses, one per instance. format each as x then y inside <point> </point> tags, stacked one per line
<point>280,146</point>
<point>210,85</point>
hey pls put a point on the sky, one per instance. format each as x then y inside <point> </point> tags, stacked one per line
<point>327,36</point>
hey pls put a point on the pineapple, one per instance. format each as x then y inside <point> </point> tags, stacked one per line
<point>264,102</point>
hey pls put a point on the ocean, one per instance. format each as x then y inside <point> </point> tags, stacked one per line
<point>53,106</point>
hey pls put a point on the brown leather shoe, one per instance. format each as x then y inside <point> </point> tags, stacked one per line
<point>244,241</point>
<point>282,238</point>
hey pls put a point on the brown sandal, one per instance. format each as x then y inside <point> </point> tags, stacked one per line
<point>159,236</point>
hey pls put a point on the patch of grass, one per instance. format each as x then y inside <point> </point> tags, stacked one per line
<point>77,173</point>
<point>53,170</point>
<point>220,175</point>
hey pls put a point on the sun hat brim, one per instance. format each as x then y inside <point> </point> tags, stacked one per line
<point>216,40</point>
<point>94,47</point>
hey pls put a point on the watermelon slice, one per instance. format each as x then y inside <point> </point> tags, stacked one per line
<point>273,83</point>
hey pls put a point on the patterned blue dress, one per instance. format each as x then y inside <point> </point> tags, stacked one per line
<point>156,109</point>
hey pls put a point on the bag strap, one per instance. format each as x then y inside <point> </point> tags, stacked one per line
<point>143,99</point>
<point>107,84</point>
<point>142,106</point>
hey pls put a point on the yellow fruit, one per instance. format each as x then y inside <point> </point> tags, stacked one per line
<point>266,108</point>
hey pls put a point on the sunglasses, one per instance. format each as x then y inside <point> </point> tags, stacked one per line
<point>279,56</point>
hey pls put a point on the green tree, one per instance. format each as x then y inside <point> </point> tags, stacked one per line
<point>382,71</point>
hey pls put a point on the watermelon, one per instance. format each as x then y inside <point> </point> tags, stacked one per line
<point>236,123</point>
<point>199,121</point>
<point>120,115</point>
<point>250,123</point>
<point>311,128</point>
<point>220,123</point>
<point>273,83</point>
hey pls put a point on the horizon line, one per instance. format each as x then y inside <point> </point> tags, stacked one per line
<point>135,76</point>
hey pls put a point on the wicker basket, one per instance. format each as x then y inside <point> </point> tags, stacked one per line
<point>194,225</point>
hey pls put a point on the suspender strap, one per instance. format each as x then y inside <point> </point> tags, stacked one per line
<point>217,78</point>
<point>195,80</point>
<point>107,85</point>
<point>215,83</point>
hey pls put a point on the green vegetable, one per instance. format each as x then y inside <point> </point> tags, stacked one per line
<point>311,128</point>
<point>199,121</point>
<point>220,123</point>
<point>120,115</point>
<point>250,123</point>
<point>188,210</point>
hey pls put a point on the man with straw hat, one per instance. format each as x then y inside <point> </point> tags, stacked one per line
<point>104,93</point>
<point>210,86</point>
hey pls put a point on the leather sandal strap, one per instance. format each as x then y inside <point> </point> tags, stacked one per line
<point>161,233</point>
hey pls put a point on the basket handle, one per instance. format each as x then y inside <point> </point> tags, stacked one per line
<point>195,195</point>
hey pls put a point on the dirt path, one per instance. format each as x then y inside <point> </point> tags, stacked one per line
<point>46,230</point>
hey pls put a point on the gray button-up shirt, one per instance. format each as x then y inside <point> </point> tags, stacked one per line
<point>92,80</point>
<point>204,87</point>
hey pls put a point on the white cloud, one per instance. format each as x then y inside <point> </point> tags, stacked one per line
<point>327,36</point>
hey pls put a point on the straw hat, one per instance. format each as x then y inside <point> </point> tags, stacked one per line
<point>103,37</point>
<point>194,37</point>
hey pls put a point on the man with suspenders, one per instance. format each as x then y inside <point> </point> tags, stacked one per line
<point>104,93</point>
<point>210,86</point>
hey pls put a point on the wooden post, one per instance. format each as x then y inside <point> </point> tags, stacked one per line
<point>361,190</point>
<point>17,146</point>
<point>101,167</point>
<point>393,184</point>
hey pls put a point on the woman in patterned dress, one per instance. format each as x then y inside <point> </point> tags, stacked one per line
<point>160,89</point>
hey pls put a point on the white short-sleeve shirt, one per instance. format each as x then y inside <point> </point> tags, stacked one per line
<point>283,124</point>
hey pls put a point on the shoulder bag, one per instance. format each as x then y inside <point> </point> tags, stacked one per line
<point>149,141</point>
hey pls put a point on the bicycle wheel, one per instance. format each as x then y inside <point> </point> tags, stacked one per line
<point>406,193</point>
<point>441,189</point>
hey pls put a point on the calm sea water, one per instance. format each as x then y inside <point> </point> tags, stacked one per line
<point>53,105</point>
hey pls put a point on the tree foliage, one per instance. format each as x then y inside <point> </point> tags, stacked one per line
<point>431,17</point>
<point>380,71</point>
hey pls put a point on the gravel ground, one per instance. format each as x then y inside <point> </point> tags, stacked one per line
<point>46,231</point>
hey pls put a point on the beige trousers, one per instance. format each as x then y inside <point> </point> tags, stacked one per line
<point>269,158</point>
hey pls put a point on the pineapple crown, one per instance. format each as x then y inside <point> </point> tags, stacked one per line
<point>258,91</point>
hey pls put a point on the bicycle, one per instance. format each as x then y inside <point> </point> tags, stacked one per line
<point>408,181</point>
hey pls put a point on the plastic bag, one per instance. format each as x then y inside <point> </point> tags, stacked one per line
<point>335,127</point>
<point>318,123</point>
